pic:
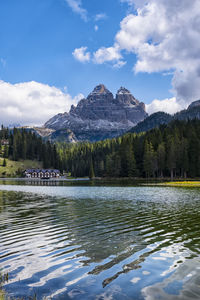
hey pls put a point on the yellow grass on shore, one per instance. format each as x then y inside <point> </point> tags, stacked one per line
<point>180,184</point>
<point>2,295</point>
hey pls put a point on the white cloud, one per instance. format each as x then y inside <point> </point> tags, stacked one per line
<point>163,36</point>
<point>96,28</point>
<point>119,64</point>
<point>76,6</point>
<point>101,16</point>
<point>170,106</point>
<point>107,54</point>
<point>81,54</point>
<point>32,103</point>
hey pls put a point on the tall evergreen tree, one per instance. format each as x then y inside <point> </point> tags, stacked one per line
<point>161,158</point>
<point>91,171</point>
<point>4,163</point>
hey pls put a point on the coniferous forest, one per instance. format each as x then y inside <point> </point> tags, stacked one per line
<point>171,150</point>
<point>24,145</point>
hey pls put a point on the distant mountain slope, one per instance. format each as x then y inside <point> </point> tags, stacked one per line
<point>48,134</point>
<point>100,115</point>
<point>63,135</point>
<point>159,118</point>
<point>192,112</point>
<point>153,121</point>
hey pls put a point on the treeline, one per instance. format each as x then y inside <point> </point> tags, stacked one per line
<point>24,144</point>
<point>171,150</point>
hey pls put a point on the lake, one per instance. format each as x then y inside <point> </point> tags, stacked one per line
<point>100,242</point>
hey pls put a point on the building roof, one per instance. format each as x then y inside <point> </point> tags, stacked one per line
<point>42,171</point>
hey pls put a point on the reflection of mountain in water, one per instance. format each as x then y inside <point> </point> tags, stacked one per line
<point>69,243</point>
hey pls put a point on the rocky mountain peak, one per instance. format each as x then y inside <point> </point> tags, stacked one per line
<point>100,89</point>
<point>123,91</point>
<point>100,115</point>
<point>194,104</point>
<point>100,92</point>
<point>125,97</point>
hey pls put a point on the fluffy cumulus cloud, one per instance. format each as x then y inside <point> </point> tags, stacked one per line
<point>102,55</point>
<point>163,36</point>
<point>170,106</point>
<point>76,6</point>
<point>81,54</point>
<point>32,103</point>
<point>107,54</point>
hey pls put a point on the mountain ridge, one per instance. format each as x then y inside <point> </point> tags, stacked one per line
<point>87,121</point>
<point>162,118</point>
<point>100,115</point>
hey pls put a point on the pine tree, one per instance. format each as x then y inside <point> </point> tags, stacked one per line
<point>150,162</point>
<point>131,163</point>
<point>101,168</point>
<point>171,158</point>
<point>161,158</point>
<point>5,155</point>
<point>4,163</point>
<point>109,165</point>
<point>15,150</point>
<point>24,149</point>
<point>91,171</point>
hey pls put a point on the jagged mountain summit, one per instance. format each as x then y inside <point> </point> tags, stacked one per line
<point>100,115</point>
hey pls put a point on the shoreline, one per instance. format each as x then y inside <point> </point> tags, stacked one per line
<point>42,180</point>
<point>186,183</point>
<point>157,182</point>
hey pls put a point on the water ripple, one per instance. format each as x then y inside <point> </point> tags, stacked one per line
<point>74,242</point>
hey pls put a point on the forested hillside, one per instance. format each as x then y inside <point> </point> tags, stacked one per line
<point>160,118</point>
<point>152,121</point>
<point>170,150</point>
<point>23,144</point>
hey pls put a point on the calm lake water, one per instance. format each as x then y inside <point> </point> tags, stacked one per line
<point>87,242</point>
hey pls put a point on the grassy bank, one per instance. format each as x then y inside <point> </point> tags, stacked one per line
<point>148,182</point>
<point>15,168</point>
<point>2,295</point>
<point>180,184</point>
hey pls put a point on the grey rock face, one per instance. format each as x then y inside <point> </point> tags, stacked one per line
<point>100,115</point>
<point>194,104</point>
<point>125,98</point>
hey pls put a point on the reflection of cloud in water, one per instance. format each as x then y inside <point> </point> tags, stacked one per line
<point>186,276</point>
<point>111,292</point>
<point>178,252</point>
<point>135,280</point>
<point>72,245</point>
<point>146,272</point>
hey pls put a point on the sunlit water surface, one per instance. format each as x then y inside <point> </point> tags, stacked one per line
<point>83,242</point>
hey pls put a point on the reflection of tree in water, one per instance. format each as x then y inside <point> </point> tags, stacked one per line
<point>1,202</point>
<point>107,232</point>
<point>113,232</point>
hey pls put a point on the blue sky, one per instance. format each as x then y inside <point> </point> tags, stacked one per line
<point>38,39</point>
